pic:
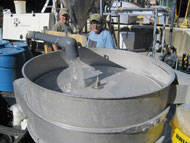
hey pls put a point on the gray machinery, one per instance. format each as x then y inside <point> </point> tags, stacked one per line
<point>129,103</point>
<point>79,11</point>
<point>124,99</point>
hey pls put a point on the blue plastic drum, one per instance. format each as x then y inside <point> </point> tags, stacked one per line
<point>3,43</point>
<point>22,44</point>
<point>11,62</point>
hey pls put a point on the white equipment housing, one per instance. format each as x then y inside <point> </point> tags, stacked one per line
<point>125,18</point>
<point>16,26</point>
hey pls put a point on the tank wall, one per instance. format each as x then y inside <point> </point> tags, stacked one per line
<point>64,115</point>
<point>152,68</point>
<point>41,65</point>
<point>93,112</point>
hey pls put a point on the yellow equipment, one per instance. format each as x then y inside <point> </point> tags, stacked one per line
<point>180,124</point>
<point>185,24</point>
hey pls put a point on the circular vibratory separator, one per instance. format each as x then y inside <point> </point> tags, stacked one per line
<point>104,96</point>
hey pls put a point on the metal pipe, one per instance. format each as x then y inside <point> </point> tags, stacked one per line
<point>154,34</point>
<point>61,1</point>
<point>125,13</point>
<point>67,43</point>
<point>54,7</point>
<point>138,9</point>
<point>163,34</point>
<point>114,13</point>
<point>172,22</point>
<point>44,7</point>
<point>118,42</point>
<point>101,8</point>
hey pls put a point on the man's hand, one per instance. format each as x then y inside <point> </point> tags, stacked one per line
<point>55,48</point>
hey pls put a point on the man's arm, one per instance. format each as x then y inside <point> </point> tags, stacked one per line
<point>55,48</point>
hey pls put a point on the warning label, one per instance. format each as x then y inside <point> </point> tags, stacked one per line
<point>179,137</point>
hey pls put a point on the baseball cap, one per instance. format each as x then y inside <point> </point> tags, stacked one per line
<point>63,11</point>
<point>95,17</point>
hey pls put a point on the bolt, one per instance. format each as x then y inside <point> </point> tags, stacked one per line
<point>96,85</point>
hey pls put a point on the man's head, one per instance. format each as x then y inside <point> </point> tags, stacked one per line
<point>63,15</point>
<point>96,23</point>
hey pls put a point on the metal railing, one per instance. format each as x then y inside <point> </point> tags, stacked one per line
<point>139,12</point>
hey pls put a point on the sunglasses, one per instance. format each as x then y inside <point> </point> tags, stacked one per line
<point>97,25</point>
<point>65,15</point>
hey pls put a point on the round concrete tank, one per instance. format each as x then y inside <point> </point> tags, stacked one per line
<point>129,107</point>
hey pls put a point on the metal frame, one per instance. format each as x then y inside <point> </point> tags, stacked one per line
<point>53,7</point>
<point>155,11</point>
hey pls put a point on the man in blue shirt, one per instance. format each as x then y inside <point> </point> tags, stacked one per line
<point>99,37</point>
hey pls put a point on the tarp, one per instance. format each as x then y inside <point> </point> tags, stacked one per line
<point>180,40</point>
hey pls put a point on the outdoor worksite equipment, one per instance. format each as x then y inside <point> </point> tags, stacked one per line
<point>66,43</point>
<point>129,106</point>
<point>79,11</point>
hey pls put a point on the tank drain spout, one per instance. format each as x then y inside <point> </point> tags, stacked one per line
<point>67,43</point>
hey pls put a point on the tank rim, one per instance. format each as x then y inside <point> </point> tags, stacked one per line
<point>171,71</point>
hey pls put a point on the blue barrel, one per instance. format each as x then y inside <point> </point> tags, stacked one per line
<point>22,44</point>
<point>3,43</point>
<point>11,62</point>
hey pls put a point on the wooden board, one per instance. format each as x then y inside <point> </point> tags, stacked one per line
<point>47,48</point>
<point>79,38</point>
